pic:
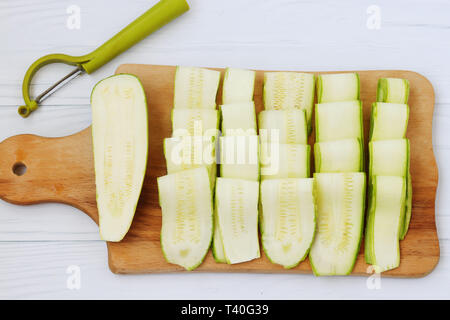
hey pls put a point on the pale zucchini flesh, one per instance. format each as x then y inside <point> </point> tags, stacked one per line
<point>187,216</point>
<point>281,160</point>
<point>195,88</point>
<point>339,120</point>
<point>238,118</point>
<point>238,85</point>
<point>338,156</point>
<point>288,219</point>
<point>289,90</point>
<point>120,142</point>
<point>189,152</point>
<point>385,222</point>
<point>393,90</point>
<point>389,157</point>
<point>340,211</point>
<point>337,87</point>
<point>239,157</point>
<point>388,121</point>
<point>283,126</point>
<point>237,211</point>
<point>195,122</point>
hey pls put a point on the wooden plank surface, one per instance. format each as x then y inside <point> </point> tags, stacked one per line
<point>61,170</point>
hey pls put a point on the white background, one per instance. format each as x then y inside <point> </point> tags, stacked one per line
<point>38,243</point>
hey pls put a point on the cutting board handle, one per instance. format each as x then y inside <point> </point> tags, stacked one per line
<point>36,169</point>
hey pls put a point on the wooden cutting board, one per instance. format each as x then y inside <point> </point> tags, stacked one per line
<point>61,170</point>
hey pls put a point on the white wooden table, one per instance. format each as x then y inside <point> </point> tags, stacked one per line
<point>38,244</point>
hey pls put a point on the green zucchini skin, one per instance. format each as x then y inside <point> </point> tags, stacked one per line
<point>217,247</point>
<point>408,209</point>
<point>393,90</point>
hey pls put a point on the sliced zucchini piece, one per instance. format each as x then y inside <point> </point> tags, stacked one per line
<point>408,207</point>
<point>288,219</point>
<point>339,120</point>
<point>281,160</point>
<point>239,157</point>
<point>195,122</point>
<point>217,247</point>
<point>238,119</point>
<point>289,90</point>
<point>389,121</point>
<point>283,126</point>
<point>389,157</point>
<point>337,87</point>
<point>195,88</point>
<point>187,216</point>
<point>340,210</point>
<point>120,141</point>
<point>385,222</point>
<point>238,85</point>
<point>393,90</point>
<point>183,153</point>
<point>237,210</point>
<point>338,156</point>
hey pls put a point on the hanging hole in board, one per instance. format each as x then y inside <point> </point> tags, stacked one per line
<point>19,169</point>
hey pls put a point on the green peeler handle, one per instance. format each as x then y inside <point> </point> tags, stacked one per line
<point>160,14</point>
<point>156,17</point>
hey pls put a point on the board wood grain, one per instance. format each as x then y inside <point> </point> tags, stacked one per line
<point>61,170</point>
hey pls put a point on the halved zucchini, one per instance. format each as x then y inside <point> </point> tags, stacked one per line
<point>337,87</point>
<point>238,85</point>
<point>237,211</point>
<point>385,222</point>
<point>281,160</point>
<point>238,119</point>
<point>239,157</point>
<point>283,126</point>
<point>388,121</point>
<point>338,156</point>
<point>340,217</point>
<point>339,120</point>
<point>187,216</point>
<point>120,141</point>
<point>393,90</point>
<point>289,90</point>
<point>195,88</point>
<point>288,219</point>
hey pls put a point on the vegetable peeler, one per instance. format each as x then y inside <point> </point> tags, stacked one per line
<point>157,16</point>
